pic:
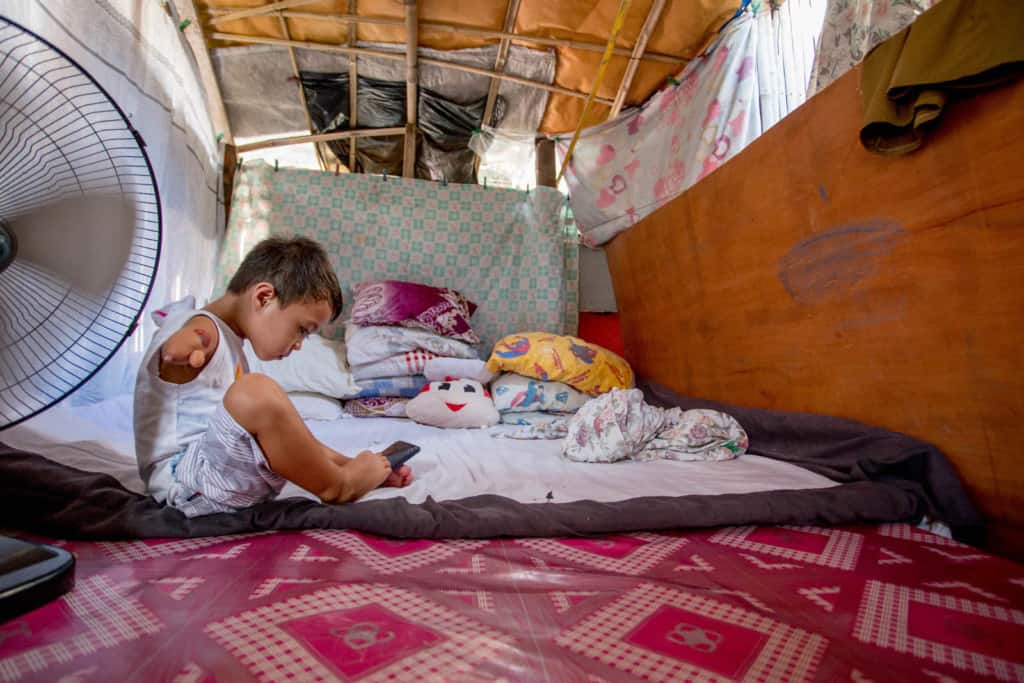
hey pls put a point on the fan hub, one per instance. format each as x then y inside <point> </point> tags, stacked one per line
<point>8,246</point>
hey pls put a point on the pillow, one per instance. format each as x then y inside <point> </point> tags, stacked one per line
<point>406,363</point>
<point>319,367</point>
<point>405,387</point>
<point>534,418</point>
<point>514,393</point>
<point>383,406</point>
<point>392,302</point>
<point>464,368</point>
<point>453,403</point>
<point>313,406</point>
<point>368,344</point>
<point>553,358</point>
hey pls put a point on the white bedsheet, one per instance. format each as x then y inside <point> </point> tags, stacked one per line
<point>452,464</point>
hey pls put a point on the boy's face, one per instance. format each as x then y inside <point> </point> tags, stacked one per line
<point>277,331</point>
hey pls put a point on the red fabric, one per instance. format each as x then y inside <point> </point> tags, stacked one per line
<point>768,603</point>
<point>602,329</point>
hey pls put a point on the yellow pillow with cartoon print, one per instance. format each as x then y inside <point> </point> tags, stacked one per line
<point>549,357</point>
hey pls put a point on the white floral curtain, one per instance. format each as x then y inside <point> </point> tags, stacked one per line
<point>755,73</point>
<point>853,27</point>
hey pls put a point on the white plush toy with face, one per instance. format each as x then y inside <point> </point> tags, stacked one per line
<point>453,403</point>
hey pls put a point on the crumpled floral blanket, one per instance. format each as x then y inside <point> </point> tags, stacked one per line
<point>620,425</point>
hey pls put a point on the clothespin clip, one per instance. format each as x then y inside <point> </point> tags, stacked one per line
<point>444,180</point>
<point>527,188</point>
<point>672,80</point>
<point>238,164</point>
<point>385,175</point>
<point>184,24</point>
<point>337,168</point>
<point>275,165</point>
<point>485,182</point>
<point>220,136</point>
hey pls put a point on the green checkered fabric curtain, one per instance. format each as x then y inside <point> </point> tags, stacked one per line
<point>509,251</point>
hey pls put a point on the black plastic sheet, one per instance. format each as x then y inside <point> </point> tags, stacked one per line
<point>444,127</point>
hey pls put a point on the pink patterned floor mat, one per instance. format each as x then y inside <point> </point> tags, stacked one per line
<point>748,604</point>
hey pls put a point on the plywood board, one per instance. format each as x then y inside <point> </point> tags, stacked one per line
<point>808,274</point>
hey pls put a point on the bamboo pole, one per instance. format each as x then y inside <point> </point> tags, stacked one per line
<point>232,15</point>
<point>620,17</point>
<point>353,88</point>
<point>411,82</point>
<point>298,82</point>
<point>186,10</point>
<point>321,137</point>
<point>499,64</point>
<point>479,33</point>
<point>634,59</point>
<point>341,49</point>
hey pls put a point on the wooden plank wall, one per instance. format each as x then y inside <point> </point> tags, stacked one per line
<point>807,274</point>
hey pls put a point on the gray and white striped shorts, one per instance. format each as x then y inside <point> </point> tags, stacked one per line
<point>223,471</point>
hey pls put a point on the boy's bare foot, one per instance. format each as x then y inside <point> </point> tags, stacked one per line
<point>399,478</point>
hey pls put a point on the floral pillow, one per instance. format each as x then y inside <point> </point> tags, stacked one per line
<point>392,302</point>
<point>517,394</point>
<point>585,367</point>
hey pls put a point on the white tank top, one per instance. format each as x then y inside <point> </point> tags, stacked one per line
<point>167,416</point>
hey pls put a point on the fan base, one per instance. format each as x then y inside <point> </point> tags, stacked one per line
<point>31,575</point>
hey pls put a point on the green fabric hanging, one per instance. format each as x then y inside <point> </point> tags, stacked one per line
<point>958,45</point>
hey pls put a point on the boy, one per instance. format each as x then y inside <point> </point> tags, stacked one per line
<point>211,438</point>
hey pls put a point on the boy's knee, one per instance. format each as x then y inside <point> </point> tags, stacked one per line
<point>253,399</point>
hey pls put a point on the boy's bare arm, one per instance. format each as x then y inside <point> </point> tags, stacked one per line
<point>184,355</point>
<point>333,480</point>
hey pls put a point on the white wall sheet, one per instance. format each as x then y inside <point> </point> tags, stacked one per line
<point>753,75</point>
<point>139,56</point>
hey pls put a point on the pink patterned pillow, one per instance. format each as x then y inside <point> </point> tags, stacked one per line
<point>392,302</point>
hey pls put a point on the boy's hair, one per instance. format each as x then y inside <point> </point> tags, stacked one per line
<point>296,266</point>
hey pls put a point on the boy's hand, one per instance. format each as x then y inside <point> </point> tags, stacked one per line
<point>399,478</point>
<point>187,346</point>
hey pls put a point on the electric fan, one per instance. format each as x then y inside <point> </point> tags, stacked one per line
<point>79,245</point>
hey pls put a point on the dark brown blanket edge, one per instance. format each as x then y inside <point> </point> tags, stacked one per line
<point>87,506</point>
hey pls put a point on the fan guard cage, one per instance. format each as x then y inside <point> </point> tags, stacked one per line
<point>61,135</point>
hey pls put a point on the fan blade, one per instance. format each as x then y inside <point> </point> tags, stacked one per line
<point>83,240</point>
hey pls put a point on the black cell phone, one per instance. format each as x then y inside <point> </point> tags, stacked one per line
<point>399,452</point>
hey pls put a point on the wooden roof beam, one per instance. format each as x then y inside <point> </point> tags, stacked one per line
<point>341,49</point>
<point>186,10</point>
<point>321,137</point>
<point>233,14</point>
<point>353,88</point>
<point>634,59</point>
<point>499,63</point>
<point>479,33</point>
<point>411,83</point>
<point>298,82</point>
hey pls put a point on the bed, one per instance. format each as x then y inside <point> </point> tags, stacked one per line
<point>506,562</point>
